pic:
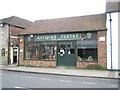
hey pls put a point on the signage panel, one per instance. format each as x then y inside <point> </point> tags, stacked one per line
<point>75,36</point>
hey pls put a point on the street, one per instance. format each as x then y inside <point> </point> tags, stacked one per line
<point>30,80</point>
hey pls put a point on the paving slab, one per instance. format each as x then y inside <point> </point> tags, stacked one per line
<point>65,71</point>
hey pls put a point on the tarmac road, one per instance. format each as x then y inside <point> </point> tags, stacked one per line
<point>30,80</point>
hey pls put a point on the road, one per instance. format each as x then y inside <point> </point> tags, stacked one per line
<point>30,80</point>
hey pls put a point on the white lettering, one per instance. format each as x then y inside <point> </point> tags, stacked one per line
<point>77,36</point>
<point>69,36</point>
<point>54,36</point>
<point>63,36</point>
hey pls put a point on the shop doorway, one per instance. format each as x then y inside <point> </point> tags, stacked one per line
<point>66,53</point>
<point>14,55</point>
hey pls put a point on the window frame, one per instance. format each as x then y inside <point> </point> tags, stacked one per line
<point>33,42</point>
<point>88,43</point>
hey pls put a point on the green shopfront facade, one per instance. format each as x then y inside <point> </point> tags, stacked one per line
<point>70,42</point>
<point>64,49</point>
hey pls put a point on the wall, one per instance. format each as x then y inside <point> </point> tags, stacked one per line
<point>21,51</point>
<point>86,64</point>
<point>51,64</point>
<point>0,44</point>
<point>114,65</point>
<point>4,33</point>
<point>102,48</point>
<point>5,39</point>
<point>14,31</point>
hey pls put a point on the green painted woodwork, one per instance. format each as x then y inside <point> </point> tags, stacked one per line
<point>53,37</point>
<point>66,54</point>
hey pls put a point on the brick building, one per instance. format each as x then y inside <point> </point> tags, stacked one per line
<point>9,41</point>
<point>70,42</point>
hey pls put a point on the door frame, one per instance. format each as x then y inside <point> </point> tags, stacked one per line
<point>12,54</point>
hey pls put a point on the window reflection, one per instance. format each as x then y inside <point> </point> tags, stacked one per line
<point>66,47</point>
<point>70,47</point>
<point>40,50</point>
<point>87,50</point>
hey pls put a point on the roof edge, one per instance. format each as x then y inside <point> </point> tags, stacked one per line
<point>113,11</point>
<point>63,32</point>
<point>68,17</point>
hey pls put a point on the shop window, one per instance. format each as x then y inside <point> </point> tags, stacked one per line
<point>40,50</point>
<point>87,48</point>
<point>70,47</point>
<point>66,47</point>
<point>88,54</point>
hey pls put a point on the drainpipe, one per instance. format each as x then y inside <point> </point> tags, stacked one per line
<point>111,37</point>
<point>9,44</point>
<point>18,64</point>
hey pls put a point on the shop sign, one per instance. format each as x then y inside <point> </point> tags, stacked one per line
<point>75,36</point>
<point>29,38</point>
<point>89,35</point>
<point>102,39</point>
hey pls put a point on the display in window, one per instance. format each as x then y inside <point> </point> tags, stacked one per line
<point>40,50</point>
<point>90,58</point>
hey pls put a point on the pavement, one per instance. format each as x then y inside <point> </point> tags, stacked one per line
<point>64,71</point>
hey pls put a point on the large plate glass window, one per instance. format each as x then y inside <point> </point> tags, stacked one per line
<point>40,50</point>
<point>87,47</point>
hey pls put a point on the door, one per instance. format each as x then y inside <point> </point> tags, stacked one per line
<point>66,53</point>
<point>15,55</point>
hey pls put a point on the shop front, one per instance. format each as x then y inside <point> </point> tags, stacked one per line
<point>66,49</point>
<point>68,42</point>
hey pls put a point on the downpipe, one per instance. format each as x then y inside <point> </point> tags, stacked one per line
<point>110,20</point>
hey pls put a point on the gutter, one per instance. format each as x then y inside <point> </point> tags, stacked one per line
<point>14,25</point>
<point>113,11</point>
<point>22,34</point>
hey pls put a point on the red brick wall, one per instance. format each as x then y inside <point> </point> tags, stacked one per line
<point>38,63</point>
<point>21,51</point>
<point>102,49</point>
<point>84,64</point>
<point>15,31</point>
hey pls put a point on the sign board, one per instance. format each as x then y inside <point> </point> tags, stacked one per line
<point>89,35</point>
<point>21,50</point>
<point>75,36</point>
<point>102,39</point>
